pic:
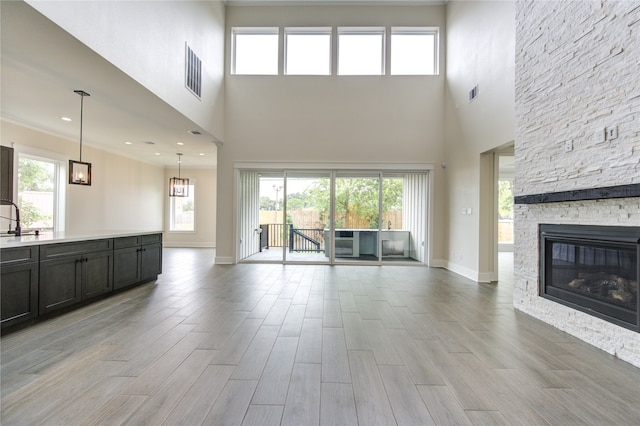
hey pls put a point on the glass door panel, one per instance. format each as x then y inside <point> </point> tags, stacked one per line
<point>356,214</point>
<point>262,227</point>
<point>404,212</point>
<point>307,212</point>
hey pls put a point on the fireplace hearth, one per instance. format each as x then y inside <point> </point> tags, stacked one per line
<point>594,269</point>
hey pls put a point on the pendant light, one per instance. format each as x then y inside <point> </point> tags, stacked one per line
<point>79,171</point>
<point>179,187</point>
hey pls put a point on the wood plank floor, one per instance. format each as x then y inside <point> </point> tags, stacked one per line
<point>307,345</point>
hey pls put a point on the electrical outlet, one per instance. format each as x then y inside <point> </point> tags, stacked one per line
<point>612,133</point>
<point>568,145</point>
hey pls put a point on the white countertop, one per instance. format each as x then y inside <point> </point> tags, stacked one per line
<point>7,241</point>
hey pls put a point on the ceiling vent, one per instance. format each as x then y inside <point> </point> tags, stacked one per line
<point>473,93</point>
<point>193,68</point>
<point>195,132</point>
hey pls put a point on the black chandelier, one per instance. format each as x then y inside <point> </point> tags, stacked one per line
<point>80,171</point>
<point>179,187</point>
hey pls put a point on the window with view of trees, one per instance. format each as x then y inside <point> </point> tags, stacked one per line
<point>37,188</point>
<point>182,212</point>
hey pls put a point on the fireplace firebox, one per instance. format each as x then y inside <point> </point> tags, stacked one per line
<point>594,269</point>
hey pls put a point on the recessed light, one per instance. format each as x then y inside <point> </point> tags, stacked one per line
<point>157,153</point>
<point>202,153</point>
<point>65,118</point>
<point>180,143</point>
<point>127,142</point>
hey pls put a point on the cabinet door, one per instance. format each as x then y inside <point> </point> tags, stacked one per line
<point>97,274</point>
<point>126,267</point>
<point>151,261</point>
<point>6,173</point>
<point>19,293</point>
<point>60,283</point>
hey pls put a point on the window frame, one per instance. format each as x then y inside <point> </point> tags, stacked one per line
<point>60,183</point>
<point>307,31</point>
<point>373,30</point>
<point>435,31</point>
<point>172,204</point>
<point>235,31</point>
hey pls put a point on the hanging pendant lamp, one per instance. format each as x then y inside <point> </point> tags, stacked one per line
<point>179,187</point>
<point>79,171</point>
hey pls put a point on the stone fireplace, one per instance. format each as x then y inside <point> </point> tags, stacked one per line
<point>577,167</point>
<point>614,330</point>
<point>593,269</point>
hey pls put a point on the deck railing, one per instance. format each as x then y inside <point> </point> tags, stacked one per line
<point>296,239</point>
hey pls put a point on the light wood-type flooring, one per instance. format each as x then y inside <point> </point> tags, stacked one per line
<point>306,345</point>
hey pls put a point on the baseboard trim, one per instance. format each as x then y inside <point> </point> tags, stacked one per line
<point>186,244</point>
<point>462,270</point>
<point>224,260</point>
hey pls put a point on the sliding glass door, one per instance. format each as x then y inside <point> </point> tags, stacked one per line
<point>333,216</point>
<point>308,210</point>
<point>356,212</point>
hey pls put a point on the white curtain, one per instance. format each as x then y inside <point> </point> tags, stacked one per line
<point>414,213</point>
<point>249,213</point>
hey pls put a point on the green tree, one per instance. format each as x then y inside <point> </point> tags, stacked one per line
<point>34,175</point>
<point>30,215</point>
<point>505,200</point>
<point>187,206</point>
<point>356,196</point>
<point>267,204</point>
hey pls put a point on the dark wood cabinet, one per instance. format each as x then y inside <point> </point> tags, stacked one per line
<point>6,173</point>
<point>60,284</point>
<point>73,272</point>
<point>136,259</point>
<point>42,279</point>
<point>151,259</point>
<point>18,285</point>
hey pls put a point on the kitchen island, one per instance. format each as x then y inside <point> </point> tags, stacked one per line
<point>49,273</point>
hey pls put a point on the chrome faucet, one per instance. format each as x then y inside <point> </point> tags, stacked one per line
<point>18,230</point>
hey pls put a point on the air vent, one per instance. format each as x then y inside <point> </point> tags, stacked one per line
<point>193,72</point>
<point>473,93</point>
<point>195,132</point>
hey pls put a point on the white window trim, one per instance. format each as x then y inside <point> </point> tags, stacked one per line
<point>60,204</point>
<point>363,31</point>
<point>435,31</point>
<point>251,31</point>
<point>308,31</point>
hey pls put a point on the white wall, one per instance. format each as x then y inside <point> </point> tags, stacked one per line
<point>204,181</point>
<point>125,195</point>
<point>146,40</point>
<point>480,51</point>
<point>329,118</point>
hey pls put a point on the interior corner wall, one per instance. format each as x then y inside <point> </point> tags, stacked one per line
<point>146,40</point>
<point>125,195</point>
<point>480,52</point>
<point>205,209</point>
<point>332,119</point>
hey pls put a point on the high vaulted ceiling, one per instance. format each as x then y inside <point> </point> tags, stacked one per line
<point>42,65</point>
